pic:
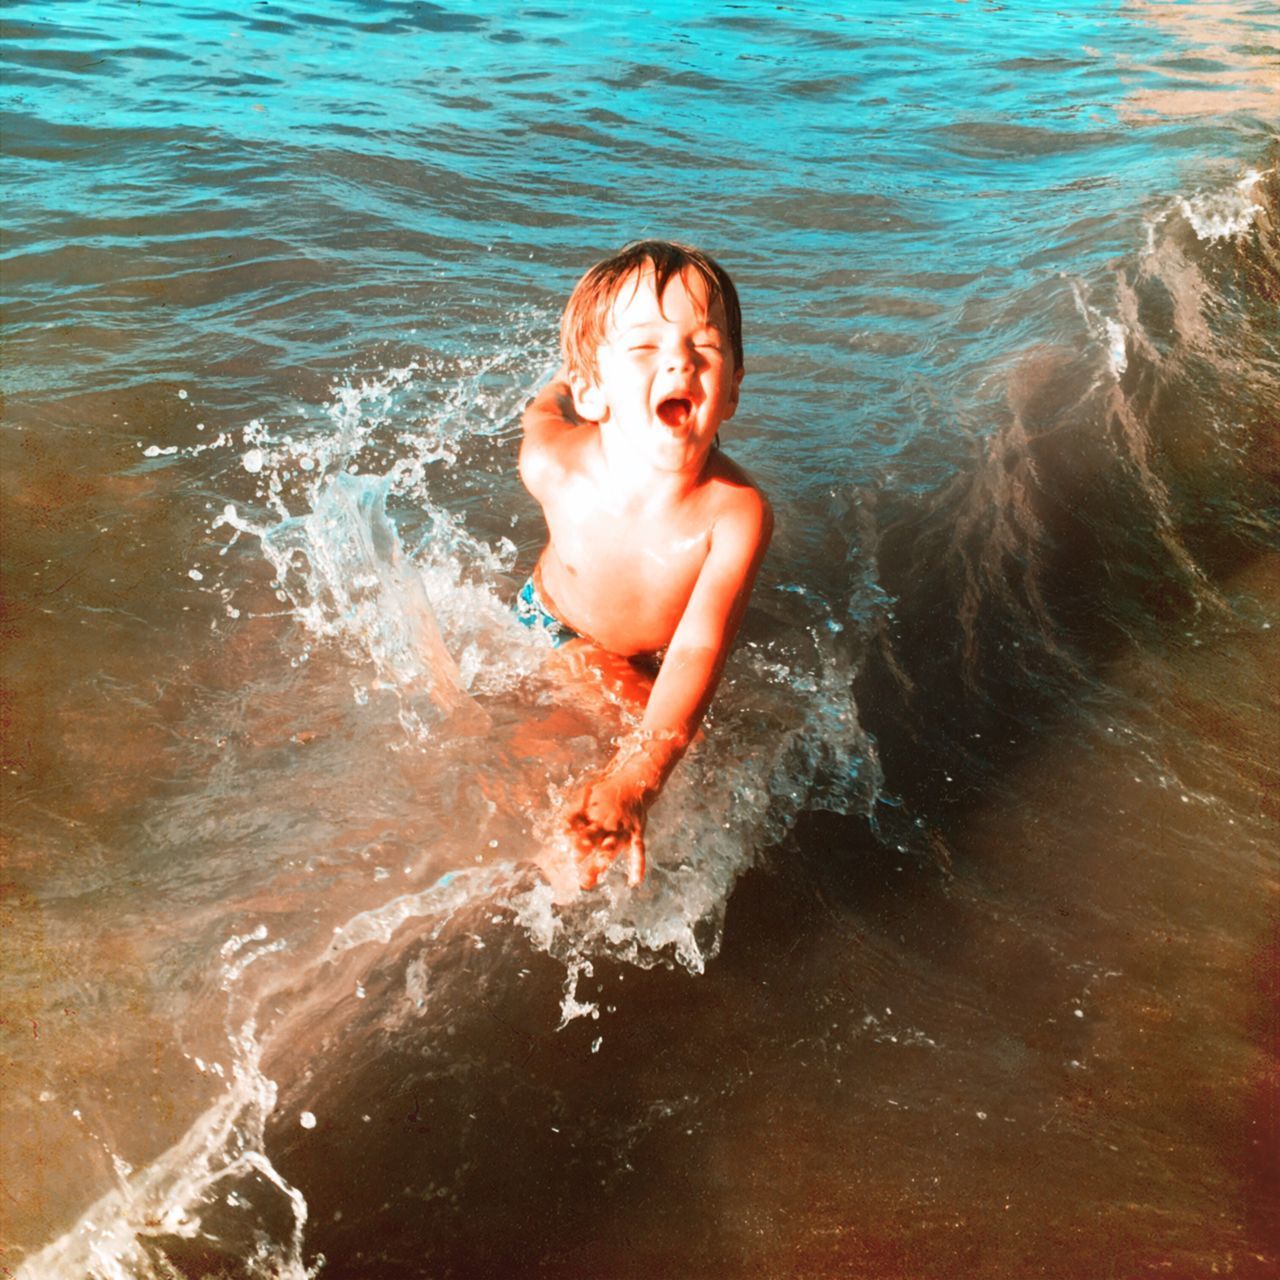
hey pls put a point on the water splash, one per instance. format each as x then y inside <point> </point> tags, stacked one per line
<point>372,566</point>
<point>219,1163</point>
<point>343,569</point>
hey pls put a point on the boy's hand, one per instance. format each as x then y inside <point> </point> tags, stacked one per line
<point>608,818</point>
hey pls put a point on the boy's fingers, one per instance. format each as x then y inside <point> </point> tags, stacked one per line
<point>579,822</point>
<point>591,868</point>
<point>635,861</point>
<point>587,840</point>
<point>598,847</point>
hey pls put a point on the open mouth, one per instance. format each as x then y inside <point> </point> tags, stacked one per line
<point>675,411</point>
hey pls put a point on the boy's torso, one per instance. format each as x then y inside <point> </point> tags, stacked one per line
<point>622,574</point>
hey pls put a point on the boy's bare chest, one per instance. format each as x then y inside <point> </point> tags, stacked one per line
<point>592,542</point>
<point>626,575</point>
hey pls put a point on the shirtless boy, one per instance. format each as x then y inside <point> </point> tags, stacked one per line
<point>655,537</point>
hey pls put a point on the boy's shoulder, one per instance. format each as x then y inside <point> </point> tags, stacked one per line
<point>735,495</point>
<point>732,482</point>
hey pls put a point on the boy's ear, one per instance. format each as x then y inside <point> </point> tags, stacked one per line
<point>734,392</point>
<point>588,398</point>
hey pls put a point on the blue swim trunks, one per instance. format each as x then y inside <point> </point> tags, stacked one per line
<point>537,617</point>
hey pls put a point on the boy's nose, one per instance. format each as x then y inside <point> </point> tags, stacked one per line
<point>681,357</point>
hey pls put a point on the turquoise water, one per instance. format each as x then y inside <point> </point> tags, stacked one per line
<point>954,959</point>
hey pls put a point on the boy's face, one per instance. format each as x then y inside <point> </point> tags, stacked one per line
<point>665,371</point>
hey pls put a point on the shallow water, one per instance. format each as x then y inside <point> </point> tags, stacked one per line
<point>957,956</point>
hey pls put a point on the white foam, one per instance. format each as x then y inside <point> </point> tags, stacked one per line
<point>1116,345</point>
<point>1224,215</point>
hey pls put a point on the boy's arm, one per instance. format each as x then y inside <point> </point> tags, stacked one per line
<point>544,422</point>
<point>611,811</point>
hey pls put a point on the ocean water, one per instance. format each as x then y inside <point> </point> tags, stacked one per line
<point>957,957</point>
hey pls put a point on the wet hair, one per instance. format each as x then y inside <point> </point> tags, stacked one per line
<point>586,315</point>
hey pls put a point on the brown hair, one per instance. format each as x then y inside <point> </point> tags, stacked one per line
<point>586,314</point>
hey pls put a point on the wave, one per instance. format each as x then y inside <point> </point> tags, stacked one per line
<point>1131,476</point>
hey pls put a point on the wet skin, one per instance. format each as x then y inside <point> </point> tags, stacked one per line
<point>655,537</point>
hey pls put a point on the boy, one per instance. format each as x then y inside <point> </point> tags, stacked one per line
<point>655,537</point>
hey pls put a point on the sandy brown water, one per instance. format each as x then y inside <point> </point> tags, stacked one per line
<point>959,958</point>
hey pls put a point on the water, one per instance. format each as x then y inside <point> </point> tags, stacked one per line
<point>957,954</point>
